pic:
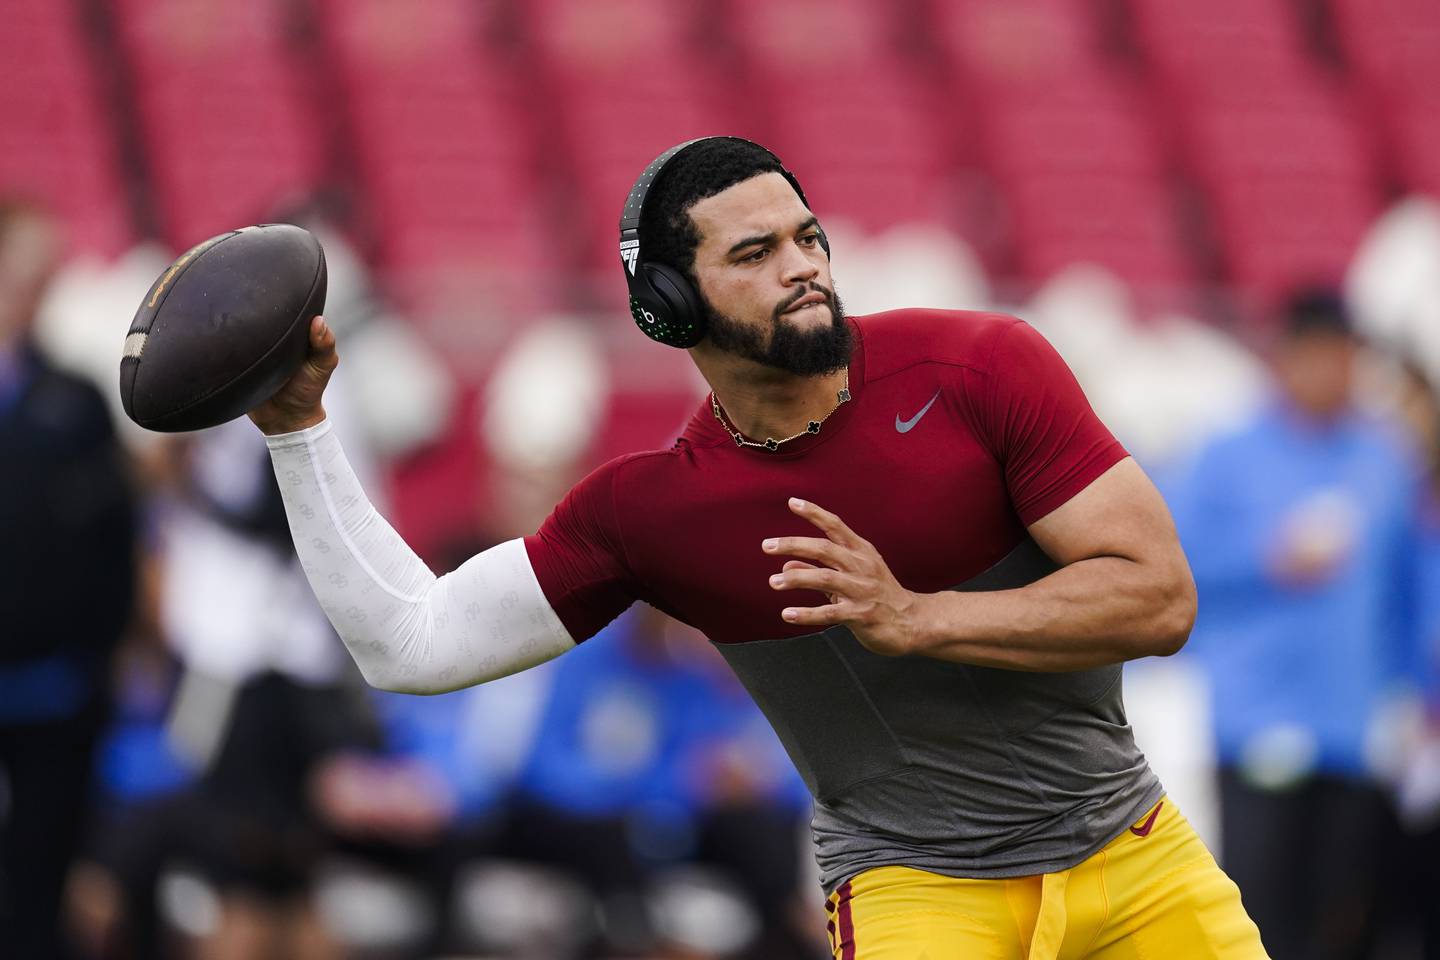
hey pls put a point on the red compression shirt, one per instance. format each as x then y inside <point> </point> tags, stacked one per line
<point>964,429</point>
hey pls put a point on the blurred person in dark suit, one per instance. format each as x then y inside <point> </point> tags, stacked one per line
<point>67,571</point>
<point>1300,527</point>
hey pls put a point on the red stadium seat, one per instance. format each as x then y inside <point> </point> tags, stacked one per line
<point>806,36</point>
<point>1310,137</point>
<point>1223,40</point>
<point>57,146</point>
<point>612,39</point>
<point>1285,222</point>
<point>840,100</point>
<point>1394,45</point>
<point>1108,135</point>
<point>1289,175</point>
<point>1125,224</point>
<point>230,132</point>
<point>1083,179</point>
<point>618,91</point>
<point>1281,234</point>
<point>1017,43</point>
<point>1417,145</point>
<point>870,151</point>
<point>442,146</point>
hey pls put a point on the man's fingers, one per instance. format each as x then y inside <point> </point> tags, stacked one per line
<point>322,336</point>
<point>798,565</point>
<point>823,552</point>
<point>323,357</point>
<point>833,526</point>
<point>818,578</point>
<point>826,616</point>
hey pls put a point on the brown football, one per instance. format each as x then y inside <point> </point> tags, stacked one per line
<point>222,328</point>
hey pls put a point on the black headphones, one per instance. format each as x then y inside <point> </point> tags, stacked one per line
<point>665,304</point>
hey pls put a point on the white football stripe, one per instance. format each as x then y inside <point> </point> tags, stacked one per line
<point>135,345</point>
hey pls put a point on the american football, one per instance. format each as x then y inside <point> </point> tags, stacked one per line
<point>222,328</point>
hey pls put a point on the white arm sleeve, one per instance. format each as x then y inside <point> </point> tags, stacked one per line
<point>408,630</point>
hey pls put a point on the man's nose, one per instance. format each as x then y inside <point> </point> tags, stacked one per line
<point>798,268</point>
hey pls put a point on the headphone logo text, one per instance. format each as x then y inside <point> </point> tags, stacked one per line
<point>630,254</point>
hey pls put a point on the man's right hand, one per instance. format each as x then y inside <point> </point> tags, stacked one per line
<point>296,405</point>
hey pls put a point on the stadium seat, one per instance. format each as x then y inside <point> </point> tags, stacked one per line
<point>441,146</point>
<point>229,133</point>
<point>1228,42</point>
<point>1417,145</point>
<point>1126,225</point>
<point>606,117</point>
<point>847,108</point>
<point>1393,49</point>
<point>1288,173</point>
<point>57,145</point>
<point>1017,44</point>
<point>1292,184</point>
<point>1393,45</point>
<point>1279,234</point>
<point>814,37</point>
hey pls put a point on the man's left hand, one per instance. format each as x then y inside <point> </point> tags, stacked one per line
<point>864,595</point>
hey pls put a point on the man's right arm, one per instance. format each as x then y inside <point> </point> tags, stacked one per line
<point>407,629</point>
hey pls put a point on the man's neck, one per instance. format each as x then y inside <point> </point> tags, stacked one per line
<point>763,402</point>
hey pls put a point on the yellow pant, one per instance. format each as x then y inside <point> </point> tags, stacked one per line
<point>1150,894</point>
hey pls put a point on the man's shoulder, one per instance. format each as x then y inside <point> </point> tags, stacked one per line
<point>898,339</point>
<point>644,469</point>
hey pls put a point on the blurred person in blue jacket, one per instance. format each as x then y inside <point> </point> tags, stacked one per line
<point>1419,791</point>
<point>67,586</point>
<point>1300,531</point>
<point>645,758</point>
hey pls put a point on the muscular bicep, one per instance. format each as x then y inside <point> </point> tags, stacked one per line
<point>1120,514</point>
<point>578,557</point>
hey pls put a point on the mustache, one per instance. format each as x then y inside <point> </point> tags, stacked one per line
<point>809,288</point>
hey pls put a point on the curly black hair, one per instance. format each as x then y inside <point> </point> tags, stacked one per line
<point>667,234</point>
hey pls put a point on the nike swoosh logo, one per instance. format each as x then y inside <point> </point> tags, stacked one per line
<point>1144,829</point>
<point>905,426</point>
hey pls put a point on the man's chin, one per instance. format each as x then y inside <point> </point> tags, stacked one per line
<point>811,315</point>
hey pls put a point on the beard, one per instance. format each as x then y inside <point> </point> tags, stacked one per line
<point>805,353</point>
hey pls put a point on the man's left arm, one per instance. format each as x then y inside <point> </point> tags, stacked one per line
<point>1124,589</point>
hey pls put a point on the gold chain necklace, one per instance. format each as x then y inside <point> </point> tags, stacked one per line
<point>771,443</point>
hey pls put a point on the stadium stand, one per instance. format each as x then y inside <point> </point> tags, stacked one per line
<point>1290,178</point>
<point>620,83</point>
<point>441,141</point>
<point>1392,49</point>
<point>1245,145</point>
<point>963,153</point>
<point>57,144</point>
<point>227,129</point>
<point>850,108</point>
<point>1065,141</point>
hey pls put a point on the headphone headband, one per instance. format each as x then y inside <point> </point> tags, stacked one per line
<point>635,203</point>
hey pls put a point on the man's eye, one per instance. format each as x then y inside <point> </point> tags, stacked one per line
<point>755,257</point>
<point>810,239</point>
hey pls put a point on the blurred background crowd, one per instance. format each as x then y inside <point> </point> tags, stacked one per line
<point>1226,215</point>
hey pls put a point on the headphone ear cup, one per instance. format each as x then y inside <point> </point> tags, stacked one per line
<point>824,240</point>
<point>681,320</point>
